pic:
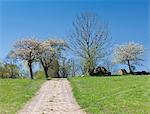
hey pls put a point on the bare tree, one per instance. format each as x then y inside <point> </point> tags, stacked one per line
<point>50,51</point>
<point>129,54</point>
<point>108,64</point>
<point>27,50</point>
<point>64,67</point>
<point>74,67</point>
<point>88,39</point>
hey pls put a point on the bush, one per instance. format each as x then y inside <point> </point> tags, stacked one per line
<point>39,74</point>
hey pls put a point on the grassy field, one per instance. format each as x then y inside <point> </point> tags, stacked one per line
<point>113,95</point>
<point>16,92</point>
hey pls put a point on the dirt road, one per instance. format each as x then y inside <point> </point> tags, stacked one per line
<point>54,97</point>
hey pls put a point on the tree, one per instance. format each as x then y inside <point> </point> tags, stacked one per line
<point>12,70</point>
<point>27,50</point>
<point>9,70</point>
<point>108,64</point>
<point>53,70</point>
<point>74,67</point>
<point>129,54</point>
<point>64,67</point>
<point>50,51</point>
<point>88,39</point>
<point>3,71</point>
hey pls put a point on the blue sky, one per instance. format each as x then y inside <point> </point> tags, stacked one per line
<point>128,20</point>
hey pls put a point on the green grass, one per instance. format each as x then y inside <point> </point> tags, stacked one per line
<point>14,93</point>
<point>113,95</point>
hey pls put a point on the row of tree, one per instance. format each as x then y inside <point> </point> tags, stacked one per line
<point>43,52</point>
<point>89,40</point>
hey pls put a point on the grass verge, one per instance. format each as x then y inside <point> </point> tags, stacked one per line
<point>14,93</point>
<point>113,95</point>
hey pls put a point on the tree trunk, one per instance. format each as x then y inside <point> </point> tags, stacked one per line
<point>45,69</point>
<point>129,67</point>
<point>30,68</point>
<point>46,72</point>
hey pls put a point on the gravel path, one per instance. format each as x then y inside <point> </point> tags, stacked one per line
<point>54,97</point>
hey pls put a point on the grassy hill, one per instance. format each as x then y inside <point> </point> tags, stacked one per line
<point>14,93</point>
<point>108,95</point>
